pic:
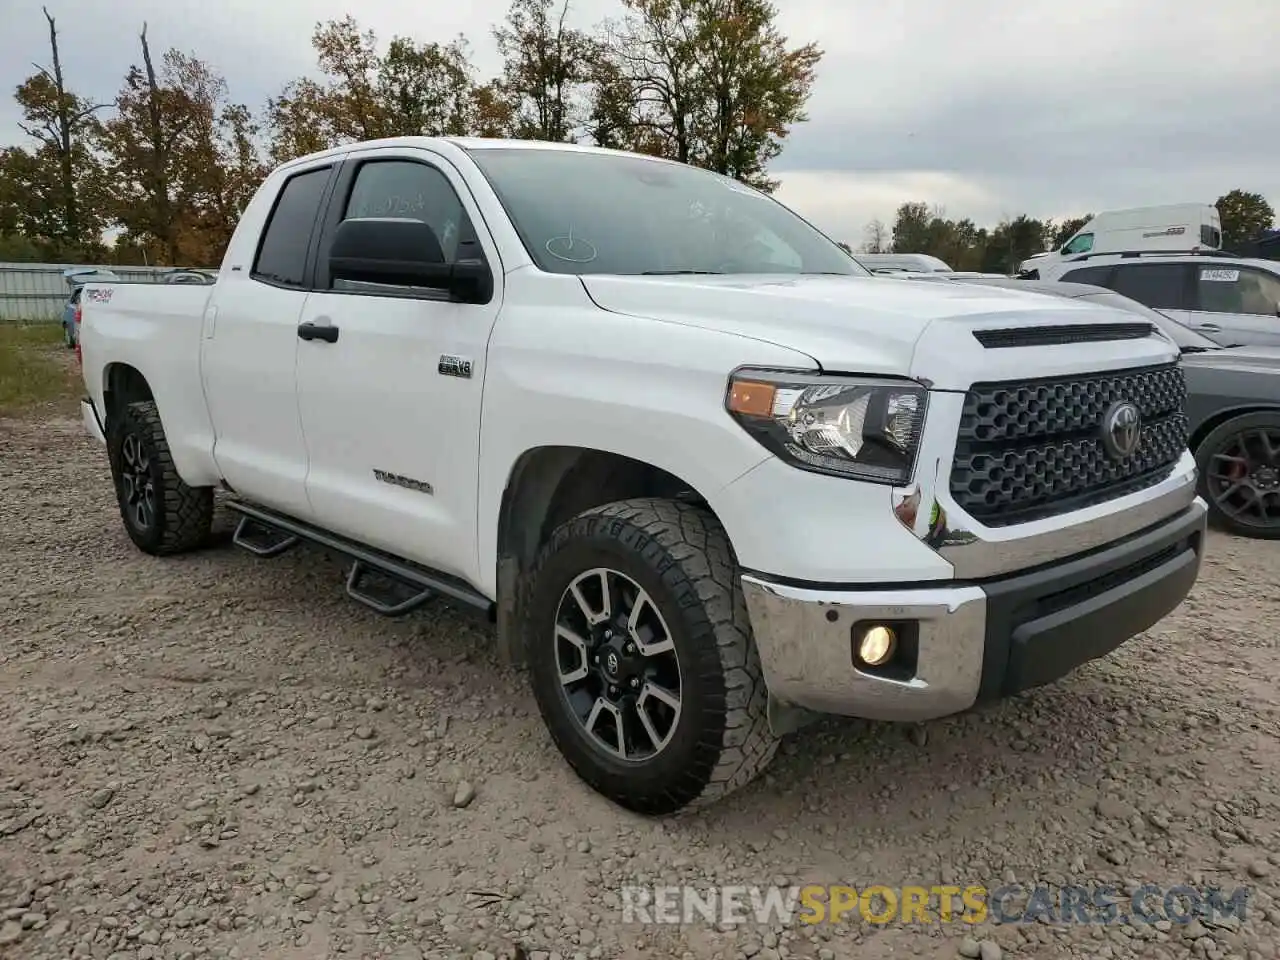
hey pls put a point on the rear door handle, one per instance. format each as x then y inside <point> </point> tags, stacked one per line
<point>1211,327</point>
<point>311,331</point>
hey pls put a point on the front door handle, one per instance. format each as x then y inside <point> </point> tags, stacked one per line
<point>1210,327</point>
<point>311,331</point>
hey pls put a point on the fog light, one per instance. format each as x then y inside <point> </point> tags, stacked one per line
<point>876,645</point>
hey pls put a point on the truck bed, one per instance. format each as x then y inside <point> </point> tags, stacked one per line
<point>157,328</point>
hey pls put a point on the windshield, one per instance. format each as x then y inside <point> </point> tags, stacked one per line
<point>1184,337</point>
<point>592,213</point>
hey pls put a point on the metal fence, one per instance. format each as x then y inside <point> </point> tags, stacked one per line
<point>38,291</point>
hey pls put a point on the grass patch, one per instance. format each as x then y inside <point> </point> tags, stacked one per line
<point>37,372</point>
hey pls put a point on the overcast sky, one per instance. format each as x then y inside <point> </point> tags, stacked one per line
<point>988,108</point>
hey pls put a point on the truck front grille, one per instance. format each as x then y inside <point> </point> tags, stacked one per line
<point>1030,449</point>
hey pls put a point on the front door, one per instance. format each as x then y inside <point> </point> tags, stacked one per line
<point>391,406</point>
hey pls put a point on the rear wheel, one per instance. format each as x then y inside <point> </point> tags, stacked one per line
<point>641,656</point>
<point>1239,465</point>
<point>161,514</point>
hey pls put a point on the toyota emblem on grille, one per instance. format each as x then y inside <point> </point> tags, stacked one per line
<point>1122,429</point>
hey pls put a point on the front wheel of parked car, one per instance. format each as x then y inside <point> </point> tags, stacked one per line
<point>642,659</point>
<point>1239,465</point>
<point>161,513</point>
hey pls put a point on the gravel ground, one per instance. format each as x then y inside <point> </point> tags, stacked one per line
<point>222,756</point>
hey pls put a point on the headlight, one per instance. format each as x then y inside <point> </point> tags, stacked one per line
<point>843,426</point>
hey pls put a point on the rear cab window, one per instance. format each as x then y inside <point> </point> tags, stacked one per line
<point>282,251</point>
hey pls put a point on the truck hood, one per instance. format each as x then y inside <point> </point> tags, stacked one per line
<point>879,325</point>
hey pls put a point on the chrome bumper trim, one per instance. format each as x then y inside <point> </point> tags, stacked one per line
<point>807,658</point>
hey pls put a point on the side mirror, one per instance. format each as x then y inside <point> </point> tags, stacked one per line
<point>406,253</point>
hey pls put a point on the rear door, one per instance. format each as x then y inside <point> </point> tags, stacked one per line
<point>250,350</point>
<point>1160,286</point>
<point>1236,304</point>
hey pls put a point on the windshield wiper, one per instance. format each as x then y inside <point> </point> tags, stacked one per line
<point>677,273</point>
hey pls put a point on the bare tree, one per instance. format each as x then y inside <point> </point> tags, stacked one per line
<point>876,237</point>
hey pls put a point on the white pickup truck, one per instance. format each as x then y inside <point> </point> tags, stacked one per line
<point>707,476</point>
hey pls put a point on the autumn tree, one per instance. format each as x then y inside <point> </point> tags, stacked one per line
<point>546,65</point>
<point>182,158</point>
<point>713,82</point>
<point>410,89</point>
<point>51,192</point>
<point>1244,216</point>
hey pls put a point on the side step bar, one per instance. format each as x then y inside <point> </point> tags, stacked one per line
<point>386,584</point>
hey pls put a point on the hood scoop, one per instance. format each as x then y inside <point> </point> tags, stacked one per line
<point>1043,335</point>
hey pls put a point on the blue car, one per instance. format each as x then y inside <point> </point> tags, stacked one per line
<point>76,278</point>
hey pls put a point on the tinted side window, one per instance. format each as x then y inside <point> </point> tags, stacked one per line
<point>1153,284</point>
<point>1237,290</point>
<point>282,255</point>
<point>1210,237</point>
<point>415,191</point>
<point>1094,275</point>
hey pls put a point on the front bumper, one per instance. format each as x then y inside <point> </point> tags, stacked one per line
<point>92,425</point>
<point>967,642</point>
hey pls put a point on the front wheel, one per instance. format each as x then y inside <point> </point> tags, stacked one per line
<point>1239,465</point>
<point>161,513</point>
<point>641,656</point>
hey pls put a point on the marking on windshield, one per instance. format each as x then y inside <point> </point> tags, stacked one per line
<point>1220,276</point>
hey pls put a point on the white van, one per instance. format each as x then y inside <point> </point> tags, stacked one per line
<point>1176,227</point>
<point>902,262</point>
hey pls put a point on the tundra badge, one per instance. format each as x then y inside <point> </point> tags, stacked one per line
<point>407,482</point>
<point>455,366</point>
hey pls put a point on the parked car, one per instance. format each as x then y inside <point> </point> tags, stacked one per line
<point>75,278</point>
<point>708,477</point>
<point>1232,408</point>
<point>892,262</point>
<point>1231,300</point>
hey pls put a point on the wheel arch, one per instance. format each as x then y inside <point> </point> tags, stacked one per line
<point>550,484</point>
<point>1226,415</point>
<point>122,384</point>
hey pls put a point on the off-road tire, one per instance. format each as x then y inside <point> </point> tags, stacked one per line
<point>1210,445</point>
<point>680,555</point>
<point>183,515</point>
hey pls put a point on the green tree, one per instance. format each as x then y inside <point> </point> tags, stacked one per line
<point>1013,241</point>
<point>911,228</point>
<point>1064,231</point>
<point>1244,216</point>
